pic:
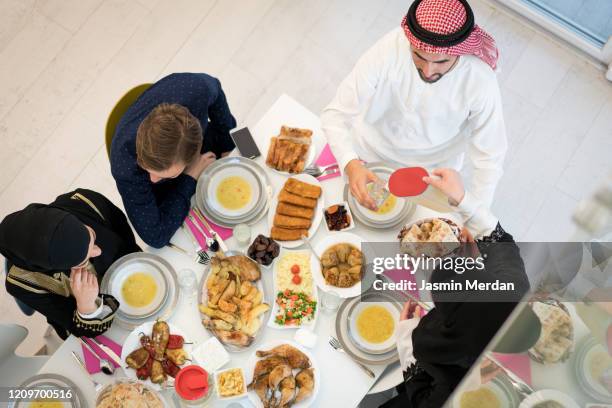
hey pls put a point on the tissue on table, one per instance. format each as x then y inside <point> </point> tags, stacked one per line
<point>211,355</point>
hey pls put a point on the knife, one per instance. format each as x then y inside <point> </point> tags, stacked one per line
<point>109,352</point>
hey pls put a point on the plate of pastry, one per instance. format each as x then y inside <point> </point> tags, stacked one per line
<point>434,237</point>
<point>291,151</point>
<point>342,264</point>
<point>284,373</point>
<point>296,211</point>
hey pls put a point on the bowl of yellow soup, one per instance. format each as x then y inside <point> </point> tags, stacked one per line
<point>140,287</point>
<point>233,192</point>
<point>373,325</point>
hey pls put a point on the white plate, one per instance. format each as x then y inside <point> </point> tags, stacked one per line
<point>316,146</point>
<point>376,347</point>
<point>148,269</point>
<point>548,395</point>
<point>315,269</point>
<point>258,284</point>
<point>233,397</point>
<point>132,342</point>
<point>318,214</point>
<point>233,172</point>
<point>593,382</point>
<point>348,212</point>
<point>341,237</point>
<point>493,386</point>
<point>249,366</point>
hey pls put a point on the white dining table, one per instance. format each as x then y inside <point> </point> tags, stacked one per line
<point>343,383</point>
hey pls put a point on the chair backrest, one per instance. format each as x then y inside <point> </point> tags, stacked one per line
<point>16,369</point>
<point>119,110</point>
<point>11,336</point>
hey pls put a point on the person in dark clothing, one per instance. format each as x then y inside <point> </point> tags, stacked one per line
<point>58,253</point>
<point>173,131</point>
<point>437,350</point>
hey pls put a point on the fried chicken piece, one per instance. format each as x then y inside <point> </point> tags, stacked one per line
<point>287,391</point>
<point>302,189</point>
<point>277,374</point>
<point>284,221</point>
<point>263,367</point>
<point>305,381</point>
<point>286,197</point>
<point>249,270</point>
<point>233,337</point>
<point>260,386</point>
<point>285,234</point>
<point>294,211</point>
<point>295,357</point>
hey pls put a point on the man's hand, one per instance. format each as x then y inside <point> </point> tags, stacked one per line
<point>84,285</point>
<point>197,167</point>
<point>449,182</point>
<point>411,310</point>
<point>358,176</point>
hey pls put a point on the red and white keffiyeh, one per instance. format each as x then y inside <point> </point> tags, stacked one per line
<point>437,23</point>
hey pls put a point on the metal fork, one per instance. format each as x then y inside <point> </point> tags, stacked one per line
<point>338,347</point>
<point>97,385</point>
<point>318,171</point>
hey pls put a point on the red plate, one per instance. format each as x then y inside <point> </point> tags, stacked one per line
<point>408,182</point>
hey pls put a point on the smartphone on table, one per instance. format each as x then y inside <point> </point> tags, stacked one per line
<point>245,143</point>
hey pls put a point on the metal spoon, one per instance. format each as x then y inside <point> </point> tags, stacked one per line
<point>105,365</point>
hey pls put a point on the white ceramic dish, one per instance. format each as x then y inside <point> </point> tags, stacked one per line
<point>548,395</point>
<point>252,360</point>
<point>233,397</point>
<point>349,213</point>
<point>148,269</point>
<point>107,388</point>
<point>222,175</point>
<point>498,389</point>
<point>260,286</point>
<point>315,268</point>
<point>317,143</point>
<point>132,342</point>
<point>318,212</point>
<point>586,352</point>
<point>322,246</point>
<point>362,343</point>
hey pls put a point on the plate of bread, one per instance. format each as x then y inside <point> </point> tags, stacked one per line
<point>296,211</point>
<point>291,151</point>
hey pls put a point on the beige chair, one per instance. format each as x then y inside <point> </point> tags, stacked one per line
<point>16,369</point>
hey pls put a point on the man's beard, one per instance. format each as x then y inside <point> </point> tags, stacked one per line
<point>435,77</point>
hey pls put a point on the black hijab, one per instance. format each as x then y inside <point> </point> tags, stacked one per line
<point>54,238</point>
<point>461,325</point>
<point>42,238</point>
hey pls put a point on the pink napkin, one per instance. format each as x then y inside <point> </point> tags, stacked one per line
<point>517,363</point>
<point>200,239</point>
<point>326,158</point>
<point>224,233</point>
<point>91,362</point>
<point>397,275</point>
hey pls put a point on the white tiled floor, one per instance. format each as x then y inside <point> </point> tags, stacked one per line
<point>63,63</point>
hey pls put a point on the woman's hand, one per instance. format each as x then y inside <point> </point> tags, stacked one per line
<point>358,176</point>
<point>411,310</point>
<point>84,285</point>
<point>449,182</point>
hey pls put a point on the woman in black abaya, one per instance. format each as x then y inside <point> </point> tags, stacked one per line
<point>58,253</point>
